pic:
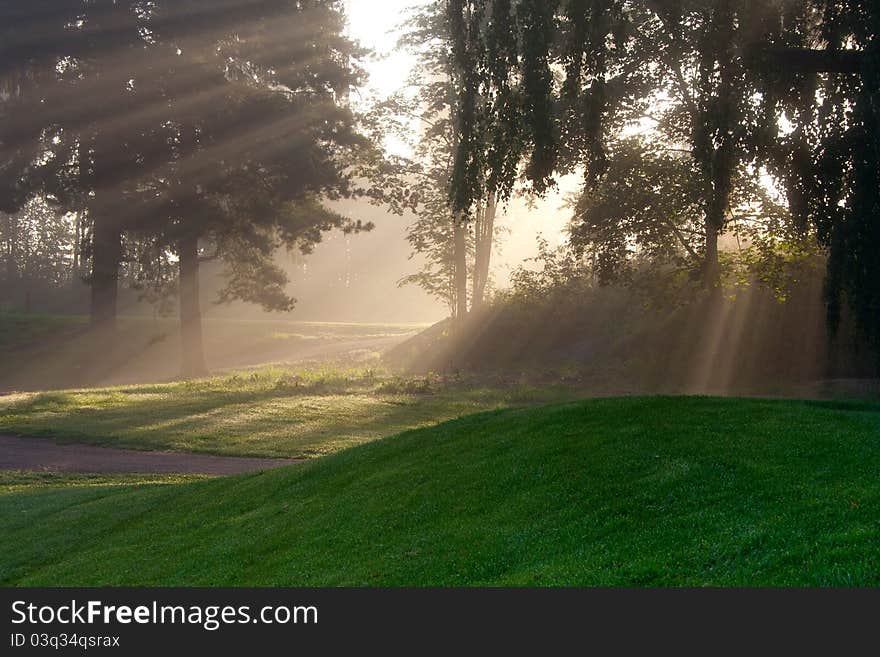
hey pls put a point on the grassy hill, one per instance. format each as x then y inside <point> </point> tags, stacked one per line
<point>609,338</point>
<point>623,491</point>
<point>48,352</point>
<point>20,330</point>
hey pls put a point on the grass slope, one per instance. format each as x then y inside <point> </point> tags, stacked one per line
<point>627,491</point>
<point>23,330</point>
<point>268,412</point>
<point>45,352</point>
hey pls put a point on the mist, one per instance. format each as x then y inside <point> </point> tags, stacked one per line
<point>438,294</point>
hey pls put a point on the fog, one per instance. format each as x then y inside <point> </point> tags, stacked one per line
<point>631,259</point>
<point>349,278</point>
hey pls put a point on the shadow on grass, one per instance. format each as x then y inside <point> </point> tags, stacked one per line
<point>268,413</point>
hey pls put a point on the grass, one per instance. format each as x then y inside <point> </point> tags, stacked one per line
<point>16,481</point>
<point>620,491</point>
<point>267,412</point>
<point>21,329</point>
<point>41,352</point>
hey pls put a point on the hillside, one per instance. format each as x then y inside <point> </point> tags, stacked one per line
<point>609,341</point>
<point>618,491</point>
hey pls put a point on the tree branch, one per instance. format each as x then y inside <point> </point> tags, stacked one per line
<point>805,60</point>
<point>683,241</point>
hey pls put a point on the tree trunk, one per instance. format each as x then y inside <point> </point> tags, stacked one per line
<point>712,268</point>
<point>475,273</point>
<point>11,259</point>
<point>461,274</point>
<point>77,247</point>
<point>106,255</point>
<point>484,233</point>
<point>192,354</point>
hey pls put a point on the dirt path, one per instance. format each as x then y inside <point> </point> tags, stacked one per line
<point>43,455</point>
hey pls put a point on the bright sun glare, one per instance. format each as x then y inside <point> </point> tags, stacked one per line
<point>375,25</point>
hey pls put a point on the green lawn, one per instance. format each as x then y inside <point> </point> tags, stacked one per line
<point>22,329</point>
<point>12,482</point>
<point>45,352</point>
<point>268,412</point>
<point>622,491</point>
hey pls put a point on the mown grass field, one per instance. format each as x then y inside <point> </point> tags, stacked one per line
<point>26,329</point>
<point>47,352</point>
<point>267,412</point>
<point>619,491</point>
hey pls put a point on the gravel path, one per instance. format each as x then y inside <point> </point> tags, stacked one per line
<point>44,455</point>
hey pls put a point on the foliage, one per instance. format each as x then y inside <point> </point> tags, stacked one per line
<point>563,273</point>
<point>38,254</point>
<point>231,124</point>
<point>427,101</point>
<point>831,161</point>
<point>643,224</point>
<point>725,76</point>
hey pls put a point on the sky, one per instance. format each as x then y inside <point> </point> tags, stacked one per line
<point>374,23</point>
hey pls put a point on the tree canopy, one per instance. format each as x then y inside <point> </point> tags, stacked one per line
<point>788,87</point>
<point>183,129</point>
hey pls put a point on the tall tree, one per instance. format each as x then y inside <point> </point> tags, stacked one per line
<point>456,246</point>
<point>484,237</point>
<point>829,89</point>
<point>193,123</point>
<point>737,68</point>
<point>77,108</point>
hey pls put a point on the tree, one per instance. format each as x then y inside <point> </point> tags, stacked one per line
<point>830,160</point>
<point>456,246</point>
<point>736,67</point>
<point>643,223</point>
<point>484,238</point>
<point>218,127</point>
<point>71,128</point>
<point>247,165</point>
<point>617,58</point>
<point>38,254</point>
<point>647,204</point>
